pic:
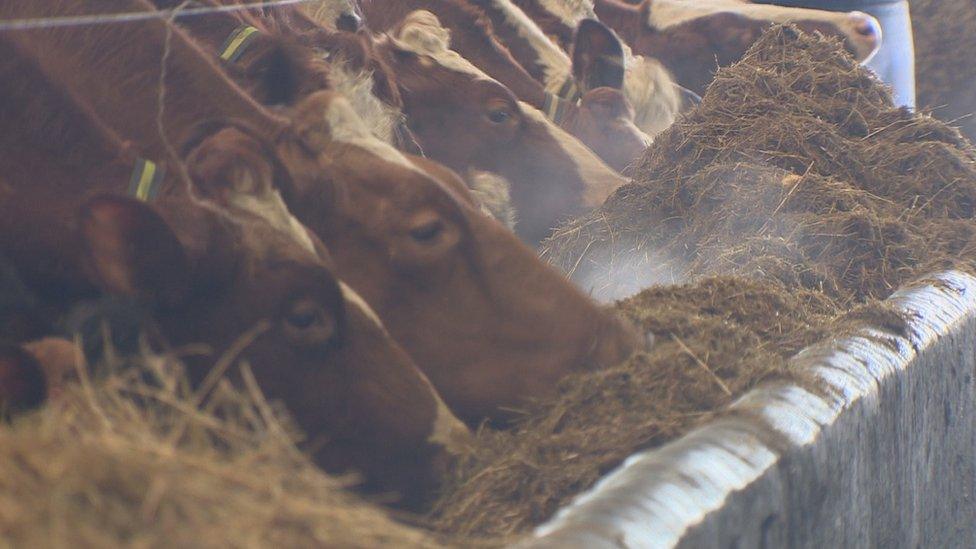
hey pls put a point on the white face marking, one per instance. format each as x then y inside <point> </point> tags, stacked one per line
<point>265,202</point>
<point>352,298</point>
<point>556,65</point>
<point>599,179</point>
<point>448,431</point>
<point>345,126</point>
<point>421,33</point>
<point>379,118</point>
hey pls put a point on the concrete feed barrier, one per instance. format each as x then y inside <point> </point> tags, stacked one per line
<point>888,459</point>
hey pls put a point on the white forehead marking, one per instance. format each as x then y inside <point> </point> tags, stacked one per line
<point>345,126</point>
<point>357,87</point>
<point>570,12</point>
<point>599,179</point>
<point>555,63</point>
<point>421,32</point>
<point>354,299</point>
<point>669,13</point>
<point>268,205</point>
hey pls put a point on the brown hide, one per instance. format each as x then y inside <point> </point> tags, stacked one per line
<point>274,68</point>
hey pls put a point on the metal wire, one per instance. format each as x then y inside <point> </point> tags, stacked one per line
<point>108,18</point>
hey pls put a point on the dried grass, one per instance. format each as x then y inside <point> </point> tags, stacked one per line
<point>132,461</point>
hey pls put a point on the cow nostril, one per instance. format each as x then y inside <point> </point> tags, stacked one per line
<point>865,25</point>
<point>349,22</point>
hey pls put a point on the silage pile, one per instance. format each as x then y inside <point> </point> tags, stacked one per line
<point>138,460</point>
<point>945,67</point>
<point>796,195</point>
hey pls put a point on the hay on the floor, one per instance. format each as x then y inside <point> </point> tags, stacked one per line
<point>136,461</point>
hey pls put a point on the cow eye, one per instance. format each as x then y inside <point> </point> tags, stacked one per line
<point>499,116</point>
<point>427,232</point>
<point>308,323</point>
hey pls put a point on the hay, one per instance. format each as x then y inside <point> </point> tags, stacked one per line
<point>945,68</point>
<point>797,176</point>
<point>132,462</point>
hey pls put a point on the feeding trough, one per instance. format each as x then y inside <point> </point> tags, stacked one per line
<point>877,451</point>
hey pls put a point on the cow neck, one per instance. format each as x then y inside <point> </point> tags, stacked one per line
<point>554,25</point>
<point>116,69</point>
<point>213,29</point>
<point>46,117</point>
<point>625,19</point>
<point>513,38</point>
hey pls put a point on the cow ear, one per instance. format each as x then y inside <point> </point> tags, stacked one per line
<point>598,57</point>
<point>130,250</point>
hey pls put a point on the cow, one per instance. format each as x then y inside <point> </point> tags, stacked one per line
<point>274,69</point>
<point>443,122</point>
<point>470,303</point>
<point>692,39</point>
<point>210,270</point>
<point>598,58</point>
<point>602,120</point>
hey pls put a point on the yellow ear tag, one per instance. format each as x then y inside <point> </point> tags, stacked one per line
<point>237,43</point>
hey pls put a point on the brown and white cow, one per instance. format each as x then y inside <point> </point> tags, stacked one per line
<point>694,37</point>
<point>211,272</point>
<point>602,123</point>
<point>471,304</point>
<point>598,59</point>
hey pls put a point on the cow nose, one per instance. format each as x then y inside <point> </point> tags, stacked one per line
<point>349,22</point>
<point>866,33</point>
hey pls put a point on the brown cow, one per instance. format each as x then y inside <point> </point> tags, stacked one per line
<point>603,123</point>
<point>470,303</point>
<point>272,68</point>
<point>211,274</point>
<point>598,59</point>
<point>558,178</point>
<point>694,38</point>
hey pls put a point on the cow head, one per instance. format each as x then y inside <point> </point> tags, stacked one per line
<point>694,38</point>
<point>605,119</point>
<point>486,320</point>
<point>466,120</point>
<point>210,275</point>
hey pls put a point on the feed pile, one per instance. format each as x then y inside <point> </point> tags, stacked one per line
<point>795,195</point>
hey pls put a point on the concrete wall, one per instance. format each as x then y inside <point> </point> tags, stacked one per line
<point>888,459</point>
